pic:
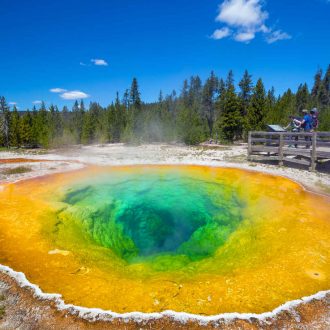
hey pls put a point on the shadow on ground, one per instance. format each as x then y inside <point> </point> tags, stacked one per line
<point>321,166</point>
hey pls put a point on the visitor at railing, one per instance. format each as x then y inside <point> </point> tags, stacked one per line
<point>315,119</point>
<point>294,126</point>
<point>307,125</point>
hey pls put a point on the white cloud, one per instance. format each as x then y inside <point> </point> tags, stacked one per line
<point>244,36</point>
<point>74,95</point>
<point>246,18</point>
<point>221,33</point>
<point>82,63</point>
<point>99,62</point>
<point>57,90</point>
<point>12,103</point>
<point>242,13</point>
<point>276,36</point>
<point>37,102</point>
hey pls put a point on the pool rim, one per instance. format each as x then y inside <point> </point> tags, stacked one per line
<point>92,314</point>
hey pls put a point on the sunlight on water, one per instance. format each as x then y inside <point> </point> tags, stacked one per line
<point>152,238</point>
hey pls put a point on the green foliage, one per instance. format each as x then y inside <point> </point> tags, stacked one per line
<point>209,95</point>
<point>25,129</point>
<point>14,129</point>
<point>135,99</point>
<point>200,112</point>
<point>285,107</point>
<point>191,128</point>
<point>246,88</point>
<point>4,122</point>
<point>42,123</point>
<point>302,98</point>
<point>229,121</point>
<point>317,84</point>
<point>324,119</point>
<point>256,113</point>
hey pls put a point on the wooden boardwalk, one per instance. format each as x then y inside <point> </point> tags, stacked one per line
<point>301,148</point>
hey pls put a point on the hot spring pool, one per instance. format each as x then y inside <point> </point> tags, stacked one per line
<point>153,238</point>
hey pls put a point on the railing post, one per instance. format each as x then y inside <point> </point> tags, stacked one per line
<point>280,149</point>
<point>313,153</point>
<point>249,145</point>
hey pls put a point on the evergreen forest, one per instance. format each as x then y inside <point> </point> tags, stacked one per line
<point>220,109</point>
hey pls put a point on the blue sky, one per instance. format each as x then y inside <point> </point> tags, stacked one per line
<point>83,48</point>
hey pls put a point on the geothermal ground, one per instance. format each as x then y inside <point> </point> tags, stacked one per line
<point>20,307</point>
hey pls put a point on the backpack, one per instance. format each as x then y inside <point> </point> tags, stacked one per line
<point>315,121</point>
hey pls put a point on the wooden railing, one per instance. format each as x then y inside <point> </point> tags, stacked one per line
<point>301,148</point>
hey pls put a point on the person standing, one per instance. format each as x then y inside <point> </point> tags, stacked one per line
<point>315,120</point>
<point>294,127</point>
<point>306,124</point>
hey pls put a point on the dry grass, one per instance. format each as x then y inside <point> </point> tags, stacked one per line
<point>17,170</point>
<point>2,309</point>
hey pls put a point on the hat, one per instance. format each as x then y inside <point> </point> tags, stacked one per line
<point>305,111</point>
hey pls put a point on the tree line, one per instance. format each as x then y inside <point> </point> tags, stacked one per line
<point>216,109</point>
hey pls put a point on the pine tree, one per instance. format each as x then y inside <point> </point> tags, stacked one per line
<point>117,120</point>
<point>135,97</point>
<point>256,114</point>
<point>185,94</point>
<point>4,122</point>
<point>222,87</point>
<point>191,129</point>
<point>322,97</point>
<point>229,124</point>
<point>326,83</point>
<point>59,126</point>
<point>87,129</point>
<point>14,129</point>
<point>35,128</point>
<point>271,106</point>
<point>199,112</point>
<point>302,97</point>
<point>317,84</point>
<point>126,101</point>
<point>43,126</point>
<point>26,129</point>
<point>324,120</point>
<point>285,107</point>
<point>77,123</point>
<point>195,92</point>
<point>55,126</point>
<point>136,120</point>
<point>52,129</point>
<point>246,87</point>
<point>209,95</point>
<point>166,120</point>
<point>271,98</point>
<point>160,97</point>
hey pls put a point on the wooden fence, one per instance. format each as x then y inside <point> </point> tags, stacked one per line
<point>301,148</point>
